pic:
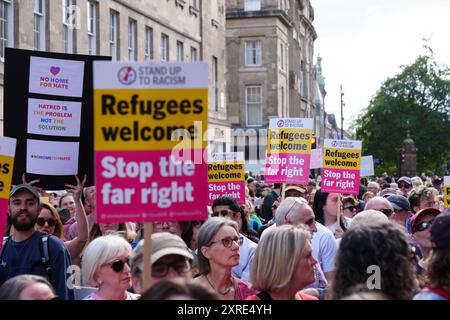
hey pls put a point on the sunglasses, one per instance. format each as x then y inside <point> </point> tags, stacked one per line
<point>352,208</point>
<point>118,265</point>
<point>228,242</point>
<point>161,270</point>
<point>41,222</point>
<point>223,213</point>
<point>404,185</point>
<point>422,226</point>
<point>387,212</point>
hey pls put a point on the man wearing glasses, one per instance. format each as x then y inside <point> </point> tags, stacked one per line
<point>229,208</point>
<point>380,204</point>
<point>405,185</point>
<point>170,259</point>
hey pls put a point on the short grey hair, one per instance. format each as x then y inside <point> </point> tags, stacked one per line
<point>288,209</point>
<point>205,236</point>
<point>13,287</point>
<point>100,251</point>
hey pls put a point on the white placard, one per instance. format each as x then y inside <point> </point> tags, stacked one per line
<point>225,156</point>
<point>56,77</point>
<point>316,158</point>
<point>54,118</point>
<point>7,146</point>
<point>367,166</point>
<point>446,180</point>
<point>291,123</point>
<point>52,158</point>
<point>342,144</point>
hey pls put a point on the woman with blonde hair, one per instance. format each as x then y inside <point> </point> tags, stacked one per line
<point>283,264</point>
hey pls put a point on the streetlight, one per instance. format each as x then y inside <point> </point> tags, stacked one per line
<point>342,114</point>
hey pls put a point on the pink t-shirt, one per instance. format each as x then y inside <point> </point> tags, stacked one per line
<point>242,290</point>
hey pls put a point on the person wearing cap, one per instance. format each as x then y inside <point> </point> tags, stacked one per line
<point>405,185</point>
<point>402,209</point>
<point>170,258</point>
<point>294,191</point>
<point>420,226</point>
<point>438,271</point>
<point>21,252</point>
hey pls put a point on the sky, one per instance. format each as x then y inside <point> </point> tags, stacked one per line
<point>362,43</point>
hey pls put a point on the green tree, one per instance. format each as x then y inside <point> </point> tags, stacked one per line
<point>417,99</point>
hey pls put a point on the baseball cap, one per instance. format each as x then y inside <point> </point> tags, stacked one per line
<point>440,230</point>
<point>163,244</point>
<point>399,202</point>
<point>414,218</point>
<point>405,179</point>
<point>387,192</point>
<point>27,187</point>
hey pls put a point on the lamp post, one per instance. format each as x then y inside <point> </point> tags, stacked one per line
<point>342,114</point>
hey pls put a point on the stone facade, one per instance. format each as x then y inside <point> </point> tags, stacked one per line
<point>198,25</point>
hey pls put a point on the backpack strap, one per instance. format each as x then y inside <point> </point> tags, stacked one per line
<point>5,242</point>
<point>45,254</point>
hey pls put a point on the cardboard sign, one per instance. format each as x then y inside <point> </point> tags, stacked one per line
<point>288,150</point>
<point>143,171</point>
<point>316,158</point>
<point>226,176</point>
<point>48,109</point>
<point>341,166</point>
<point>7,152</point>
<point>367,169</point>
<point>447,192</point>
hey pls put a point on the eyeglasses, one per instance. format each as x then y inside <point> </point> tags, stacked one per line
<point>228,242</point>
<point>118,265</point>
<point>387,212</point>
<point>352,208</point>
<point>161,270</point>
<point>404,185</point>
<point>422,226</point>
<point>41,222</point>
<point>168,224</point>
<point>223,213</point>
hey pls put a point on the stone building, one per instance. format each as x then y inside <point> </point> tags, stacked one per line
<point>270,69</point>
<point>138,30</point>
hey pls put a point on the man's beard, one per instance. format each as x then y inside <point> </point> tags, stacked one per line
<point>23,225</point>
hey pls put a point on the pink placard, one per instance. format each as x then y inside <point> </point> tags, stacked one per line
<point>287,168</point>
<point>145,186</point>
<point>232,189</point>
<point>3,213</point>
<point>340,181</point>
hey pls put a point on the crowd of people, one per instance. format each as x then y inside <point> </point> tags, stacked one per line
<point>286,242</point>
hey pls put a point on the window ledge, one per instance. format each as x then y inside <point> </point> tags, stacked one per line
<point>194,11</point>
<point>180,3</point>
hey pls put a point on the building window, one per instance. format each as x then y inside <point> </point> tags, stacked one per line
<point>164,47</point>
<point>283,110</point>
<point>113,34</point>
<point>252,5</point>
<point>214,78</point>
<point>6,26</point>
<point>304,85</point>
<point>194,56</point>
<point>253,105</point>
<point>148,43</point>
<point>253,53</point>
<point>92,27</point>
<point>132,42</point>
<point>193,4</point>
<point>68,25</point>
<point>282,56</point>
<point>180,51</point>
<point>39,24</point>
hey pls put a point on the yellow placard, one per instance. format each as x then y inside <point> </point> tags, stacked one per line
<point>446,196</point>
<point>289,141</point>
<point>6,171</point>
<point>226,171</point>
<point>349,159</point>
<point>146,119</point>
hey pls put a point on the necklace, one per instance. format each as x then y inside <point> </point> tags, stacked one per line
<point>220,292</point>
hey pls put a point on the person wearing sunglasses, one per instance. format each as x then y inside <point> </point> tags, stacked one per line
<point>349,206</point>
<point>405,185</point>
<point>421,224</point>
<point>218,252</point>
<point>380,204</point>
<point>171,258</point>
<point>105,266</point>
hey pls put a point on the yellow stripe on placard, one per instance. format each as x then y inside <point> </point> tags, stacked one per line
<point>342,159</point>
<point>446,196</point>
<point>146,119</point>
<point>226,171</point>
<point>6,171</point>
<point>289,141</point>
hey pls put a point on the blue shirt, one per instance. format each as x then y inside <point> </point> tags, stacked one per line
<point>25,257</point>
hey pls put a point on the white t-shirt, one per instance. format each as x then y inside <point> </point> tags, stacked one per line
<point>324,247</point>
<point>347,222</point>
<point>247,252</point>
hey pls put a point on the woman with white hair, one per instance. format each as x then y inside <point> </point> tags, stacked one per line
<point>283,264</point>
<point>105,265</point>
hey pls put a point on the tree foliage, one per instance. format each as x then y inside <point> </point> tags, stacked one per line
<point>417,99</point>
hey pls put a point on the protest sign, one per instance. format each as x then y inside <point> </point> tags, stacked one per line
<point>341,166</point>
<point>316,158</point>
<point>48,109</point>
<point>142,111</point>
<point>226,176</point>
<point>367,166</point>
<point>7,152</point>
<point>288,150</point>
<point>447,192</point>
